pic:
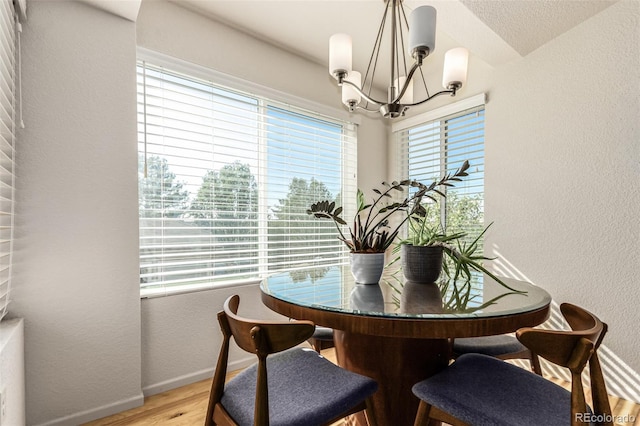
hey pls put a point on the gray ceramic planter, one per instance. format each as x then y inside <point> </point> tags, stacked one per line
<point>421,264</point>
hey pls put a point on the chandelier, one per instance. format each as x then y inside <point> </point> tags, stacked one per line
<point>421,27</point>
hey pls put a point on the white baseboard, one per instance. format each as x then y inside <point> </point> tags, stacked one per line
<point>137,401</point>
<point>187,379</point>
<point>97,413</point>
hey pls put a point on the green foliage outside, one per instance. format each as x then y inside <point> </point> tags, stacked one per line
<point>290,229</point>
<point>160,195</point>
<point>223,218</point>
<point>463,214</point>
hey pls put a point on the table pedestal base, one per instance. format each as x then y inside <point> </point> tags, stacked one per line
<point>396,364</point>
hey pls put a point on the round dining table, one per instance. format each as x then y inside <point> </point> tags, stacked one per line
<point>399,332</point>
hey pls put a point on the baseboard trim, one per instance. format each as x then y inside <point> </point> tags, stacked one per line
<point>138,400</point>
<point>97,413</point>
<point>196,376</point>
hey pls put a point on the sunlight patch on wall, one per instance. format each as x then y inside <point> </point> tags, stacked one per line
<point>621,380</point>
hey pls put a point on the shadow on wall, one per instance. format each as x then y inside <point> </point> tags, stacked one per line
<point>622,381</point>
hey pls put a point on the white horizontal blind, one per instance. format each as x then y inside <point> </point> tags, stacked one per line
<point>225,179</point>
<point>431,149</point>
<point>7,146</point>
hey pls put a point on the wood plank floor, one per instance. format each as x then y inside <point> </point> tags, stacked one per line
<point>187,406</point>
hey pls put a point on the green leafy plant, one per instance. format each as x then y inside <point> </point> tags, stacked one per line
<point>422,233</point>
<point>462,257</point>
<point>372,231</point>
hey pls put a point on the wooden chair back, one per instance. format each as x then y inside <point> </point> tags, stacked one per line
<point>258,337</point>
<point>573,350</point>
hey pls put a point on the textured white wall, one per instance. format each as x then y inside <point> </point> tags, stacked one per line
<point>562,186</point>
<point>181,336</point>
<point>563,170</point>
<point>76,273</point>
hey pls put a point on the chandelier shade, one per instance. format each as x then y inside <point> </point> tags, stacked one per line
<point>456,62</point>
<point>349,94</point>
<point>422,33</point>
<point>414,38</point>
<point>341,53</point>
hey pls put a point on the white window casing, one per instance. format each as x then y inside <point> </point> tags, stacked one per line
<point>225,179</point>
<point>438,142</point>
<point>9,37</point>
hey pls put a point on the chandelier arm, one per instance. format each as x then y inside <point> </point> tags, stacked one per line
<point>394,57</point>
<point>442,92</point>
<point>424,82</point>
<point>375,66</point>
<point>376,46</point>
<point>377,111</point>
<point>402,49</point>
<point>364,95</point>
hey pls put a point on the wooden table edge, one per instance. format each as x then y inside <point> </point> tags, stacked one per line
<point>417,328</point>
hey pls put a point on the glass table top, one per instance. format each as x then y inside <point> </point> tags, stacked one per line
<point>334,289</point>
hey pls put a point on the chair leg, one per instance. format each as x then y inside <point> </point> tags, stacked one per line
<point>316,344</point>
<point>422,417</point>
<point>319,345</point>
<point>371,418</point>
<point>535,364</point>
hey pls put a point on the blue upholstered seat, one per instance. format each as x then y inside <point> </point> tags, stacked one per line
<point>484,391</point>
<point>323,333</point>
<point>502,346</point>
<point>305,389</point>
<point>322,338</point>
<point>488,345</point>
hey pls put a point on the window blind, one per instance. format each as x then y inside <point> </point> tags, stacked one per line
<point>7,146</point>
<point>225,179</point>
<point>430,149</point>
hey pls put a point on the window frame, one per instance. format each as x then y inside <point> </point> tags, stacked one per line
<point>10,115</point>
<point>439,115</point>
<point>267,97</point>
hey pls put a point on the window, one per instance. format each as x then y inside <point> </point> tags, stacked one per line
<point>433,147</point>
<point>439,142</point>
<point>225,178</point>
<point>8,51</point>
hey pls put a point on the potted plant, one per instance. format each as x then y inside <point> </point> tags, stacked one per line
<point>373,229</point>
<point>427,250</point>
<point>421,253</point>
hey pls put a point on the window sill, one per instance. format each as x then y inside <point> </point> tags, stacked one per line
<point>171,291</point>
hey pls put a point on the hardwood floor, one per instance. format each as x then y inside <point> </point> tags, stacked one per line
<point>187,406</point>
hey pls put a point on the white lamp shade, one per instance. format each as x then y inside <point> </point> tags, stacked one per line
<point>339,53</point>
<point>408,95</point>
<point>349,94</point>
<point>456,62</point>
<point>422,29</point>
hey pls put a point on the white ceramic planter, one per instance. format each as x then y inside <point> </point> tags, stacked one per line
<point>367,298</point>
<point>367,268</point>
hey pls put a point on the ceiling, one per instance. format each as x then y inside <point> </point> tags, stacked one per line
<point>494,31</point>
<point>497,31</point>
<point>527,25</point>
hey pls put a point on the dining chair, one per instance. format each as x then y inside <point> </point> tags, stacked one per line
<point>478,389</point>
<point>289,385</point>
<point>322,338</point>
<point>502,346</point>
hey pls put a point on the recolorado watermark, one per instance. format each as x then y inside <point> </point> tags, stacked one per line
<point>602,418</point>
